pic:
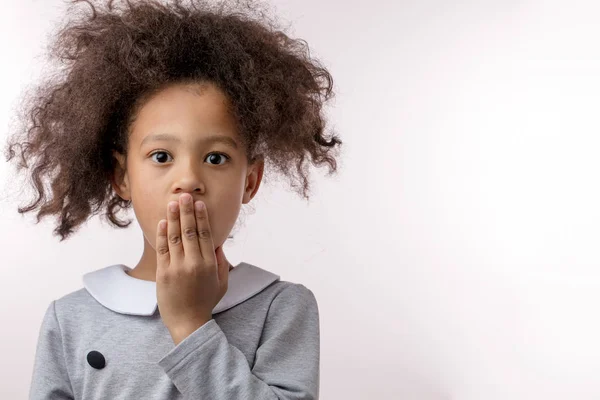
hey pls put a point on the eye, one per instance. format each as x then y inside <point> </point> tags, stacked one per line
<point>214,158</point>
<point>162,153</point>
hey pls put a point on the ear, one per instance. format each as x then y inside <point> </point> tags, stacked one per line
<point>119,178</point>
<point>253,179</point>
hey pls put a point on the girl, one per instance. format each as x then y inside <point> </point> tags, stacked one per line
<point>174,110</point>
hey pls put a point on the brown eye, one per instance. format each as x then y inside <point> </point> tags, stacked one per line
<point>214,158</point>
<point>162,156</point>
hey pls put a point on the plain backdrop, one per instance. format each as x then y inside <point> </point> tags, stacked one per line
<point>455,255</point>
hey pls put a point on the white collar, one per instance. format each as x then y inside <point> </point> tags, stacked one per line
<point>119,292</point>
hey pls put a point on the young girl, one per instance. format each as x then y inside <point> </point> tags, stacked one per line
<point>174,110</point>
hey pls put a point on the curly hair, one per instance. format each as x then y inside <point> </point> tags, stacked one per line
<point>113,60</point>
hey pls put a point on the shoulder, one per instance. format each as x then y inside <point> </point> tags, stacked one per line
<point>76,306</point>
<point>77,298</point>
<point>286,291</point>
<point>291,300</point>
<point>293,290</point>
<point>291,310</point>
<point>68,313</point>
<point>281,299</point>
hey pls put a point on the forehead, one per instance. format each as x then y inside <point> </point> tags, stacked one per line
<point>185,109</point>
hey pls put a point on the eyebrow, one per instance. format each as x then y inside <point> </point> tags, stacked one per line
<point>168,137</point>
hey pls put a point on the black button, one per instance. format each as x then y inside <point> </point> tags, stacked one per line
<point>96,359</point>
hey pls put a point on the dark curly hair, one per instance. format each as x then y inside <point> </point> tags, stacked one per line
<point>115,58</point>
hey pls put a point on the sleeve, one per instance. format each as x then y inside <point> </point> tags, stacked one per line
<point>50,379</point>
<point>205,366</point>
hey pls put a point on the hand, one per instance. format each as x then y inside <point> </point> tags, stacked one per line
<point>191,277</point>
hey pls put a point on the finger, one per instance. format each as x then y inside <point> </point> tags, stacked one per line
<point>174,231</point>
<point>189,231</point>
<point>204,235</point>
<point>162,245</point>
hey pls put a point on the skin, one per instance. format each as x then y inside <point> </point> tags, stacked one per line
<point>186,259</point>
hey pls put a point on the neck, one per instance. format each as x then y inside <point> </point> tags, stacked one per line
<point>146,266</point>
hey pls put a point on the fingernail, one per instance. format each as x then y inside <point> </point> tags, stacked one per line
<point>199,206</point>
<point>173,206</point>
<point>186,198</point>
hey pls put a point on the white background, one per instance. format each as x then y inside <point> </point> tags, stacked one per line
<point>455,256</point>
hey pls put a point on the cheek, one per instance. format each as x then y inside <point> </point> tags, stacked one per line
<point>148,211</point>
<point>223,218</point>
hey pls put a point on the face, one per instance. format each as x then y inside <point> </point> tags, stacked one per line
<point>184,140</point>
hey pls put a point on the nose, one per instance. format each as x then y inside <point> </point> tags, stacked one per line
<point>189,180</point>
